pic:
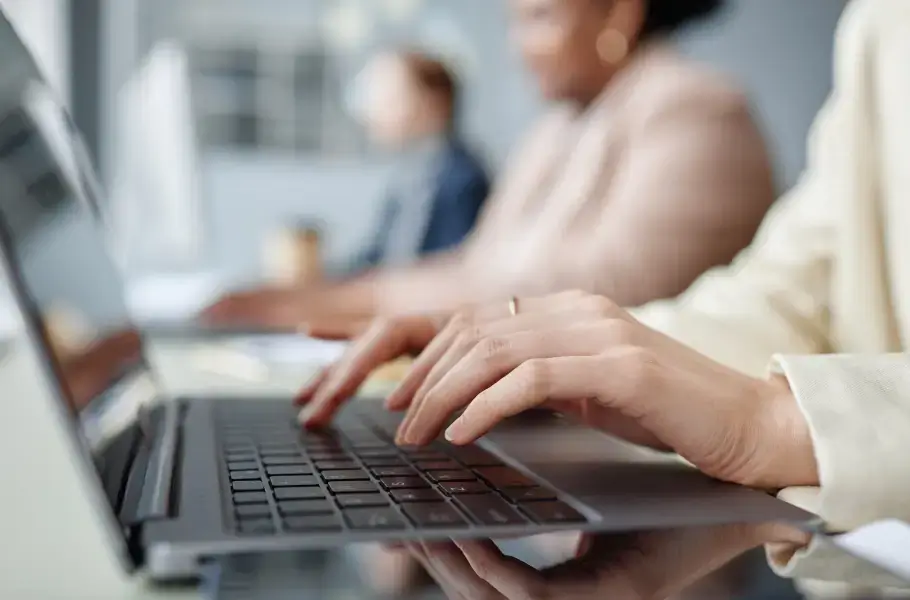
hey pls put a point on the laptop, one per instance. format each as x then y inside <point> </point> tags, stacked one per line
<point>188,480</point>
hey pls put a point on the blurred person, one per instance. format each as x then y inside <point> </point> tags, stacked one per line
<point>823,297</point>
<point>440,185</point>
<point>648,171</point>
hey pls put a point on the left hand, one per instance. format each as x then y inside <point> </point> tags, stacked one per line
<point>649,565</point>
<point>595,361</point>
<point>281,308</point>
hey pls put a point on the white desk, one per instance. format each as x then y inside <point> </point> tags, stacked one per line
<point>53,542</point>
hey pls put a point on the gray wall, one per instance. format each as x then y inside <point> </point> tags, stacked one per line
<point>780,50</point>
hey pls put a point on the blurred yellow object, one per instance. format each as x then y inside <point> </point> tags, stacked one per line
<point>293,256</point>
<point>392,372</point>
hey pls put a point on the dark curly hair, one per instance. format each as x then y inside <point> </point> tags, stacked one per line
<point>668,16</point>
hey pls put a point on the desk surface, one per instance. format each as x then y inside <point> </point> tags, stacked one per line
<point>53,542</point>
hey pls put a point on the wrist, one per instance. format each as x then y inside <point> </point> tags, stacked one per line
<point>784,450</point>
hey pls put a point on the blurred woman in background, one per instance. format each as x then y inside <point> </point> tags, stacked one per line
<point>440,186</point>
<point>647,171</point>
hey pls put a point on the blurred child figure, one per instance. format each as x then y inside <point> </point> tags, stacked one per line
<point>439,187</point>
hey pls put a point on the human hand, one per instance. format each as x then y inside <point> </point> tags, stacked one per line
<point>277,308</point>
<point>389,338</point>
<point>649,565</point>
<point>582,355</point>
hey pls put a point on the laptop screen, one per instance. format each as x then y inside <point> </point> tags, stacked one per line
<point>63,275</point>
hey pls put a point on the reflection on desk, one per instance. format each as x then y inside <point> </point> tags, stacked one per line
<point>698,563</point>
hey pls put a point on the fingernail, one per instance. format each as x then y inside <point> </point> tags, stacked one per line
<point>452,433</point>
<point>306,414</point>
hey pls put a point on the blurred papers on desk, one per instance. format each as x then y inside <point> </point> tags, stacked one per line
<point>289,349</point>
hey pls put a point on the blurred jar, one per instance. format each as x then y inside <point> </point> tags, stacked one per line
<point>293,255</point>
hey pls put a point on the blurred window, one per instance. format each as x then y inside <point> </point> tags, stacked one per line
<point>285,100</point>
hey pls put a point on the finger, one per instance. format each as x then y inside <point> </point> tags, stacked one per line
<point>307,392</point>
<point>448,563</point>
<point>485,364</point>
<point>463,343</point>
<point>530,385</point>
<point>472,317</point>
<point>383,343</point>
<point>401,397</point>
<point>509,576</point>
<point>585,543</point>
<point>445,584</point>
<point>335,328</point>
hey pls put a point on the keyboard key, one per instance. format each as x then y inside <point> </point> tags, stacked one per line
<point>456,488</point>
<point>490,510</point>
<point>442,476</point>
<point>238,447</point>
<point>403,483</point>
<point>283,460</point>
<point>472,456</point>
<point>384,453</point>
<point>312,523</point>
<point>534,494</point>
<point>394,472</point>
<point>439,465</point>
<point>253,510</point>
<point>280,452</point>
<point>250,498</point>
<point>345,475</point>
<point>246,465</point>
<point>339,455</point>
<point>289,470</point>
<point>428,495</point>
<point>240,456</point>
<point>247,486</point>
<point>385,461</point>
<point>553,513</point>
<point>436,514</point>
<point>293,480</point>
<point>239,475</point>
<point>503,477</point>
<point>256,526</point>
<point>374,519</point>
<point>336,465</point>
<point>299,493</point>
<point>352,487</point>
<point>305,507</point>
<point>429,456</point>
<point>362,500</point>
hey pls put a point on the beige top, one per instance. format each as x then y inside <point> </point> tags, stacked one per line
<point>826,288</point>
<point>663,177</point>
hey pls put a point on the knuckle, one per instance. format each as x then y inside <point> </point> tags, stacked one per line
<point>617,332</point>
<point>532,378</point>
<point>469,337</point>
<point>493,349</point>
<point>461,321</point>
<point>599,306</point>
<point>638,367</point>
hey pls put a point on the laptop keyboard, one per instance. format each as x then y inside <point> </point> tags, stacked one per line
<point>281,480</point>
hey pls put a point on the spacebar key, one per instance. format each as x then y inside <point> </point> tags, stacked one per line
<point>490,510</point>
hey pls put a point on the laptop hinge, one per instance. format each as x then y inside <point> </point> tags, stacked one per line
<point>149,491</point>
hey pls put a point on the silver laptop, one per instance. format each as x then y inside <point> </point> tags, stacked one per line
<point>191,479</point>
